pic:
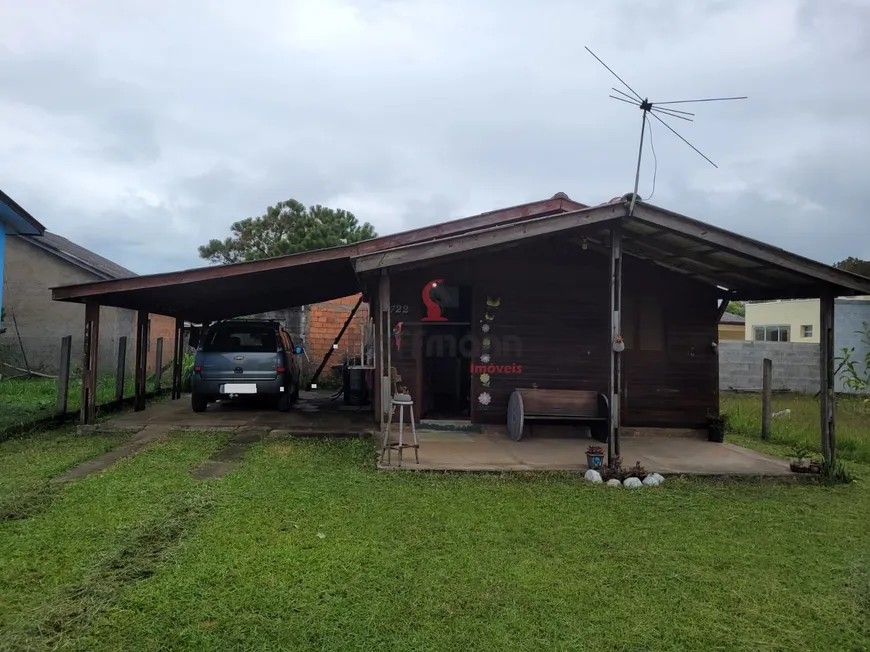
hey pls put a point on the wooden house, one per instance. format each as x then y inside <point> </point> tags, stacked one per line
<point>622,298</point>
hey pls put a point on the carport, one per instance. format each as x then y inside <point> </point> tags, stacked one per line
<point>206,294</point>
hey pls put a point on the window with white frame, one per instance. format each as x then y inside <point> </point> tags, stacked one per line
<point>771,334</point>
<point>807,330</point>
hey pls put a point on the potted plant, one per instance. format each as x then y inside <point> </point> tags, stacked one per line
<point>595,457</point>
<point>801,460</point>
<point>717,424</point>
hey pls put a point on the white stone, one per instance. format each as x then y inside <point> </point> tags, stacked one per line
<point>593,476</point>
<point>659,477</point>
<point>631,483</point>
<point>651,480</point>
<point>613,482</point>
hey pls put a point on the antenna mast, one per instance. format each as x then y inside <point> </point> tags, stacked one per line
<point>656,110</point>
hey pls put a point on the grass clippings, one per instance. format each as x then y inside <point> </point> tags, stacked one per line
<point>137,555</point>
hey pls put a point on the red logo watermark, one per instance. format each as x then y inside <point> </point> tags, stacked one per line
<point>433,309</point>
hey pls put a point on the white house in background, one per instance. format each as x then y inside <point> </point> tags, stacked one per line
<point>798,321</point>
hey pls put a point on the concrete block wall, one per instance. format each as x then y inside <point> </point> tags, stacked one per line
<point>795,365</point>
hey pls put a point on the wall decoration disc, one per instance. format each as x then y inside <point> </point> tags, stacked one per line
<point>485,358</point>
<point>484,399</point>
<point>485,328</point>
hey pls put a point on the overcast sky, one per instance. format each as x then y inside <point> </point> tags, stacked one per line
<point>143,129</point>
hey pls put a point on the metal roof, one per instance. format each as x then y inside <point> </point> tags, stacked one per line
<point>223,291</point>
<point>740,267</point>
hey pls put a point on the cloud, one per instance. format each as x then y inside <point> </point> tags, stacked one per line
<point>141,132</point>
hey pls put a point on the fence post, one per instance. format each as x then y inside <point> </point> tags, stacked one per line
<point>121,370</point>
<point>159,370</point>
<point>766,396</point>
<point>63,376</point>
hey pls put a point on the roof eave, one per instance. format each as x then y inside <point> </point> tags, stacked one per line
<point>20,221</point>
<point>846,282</point>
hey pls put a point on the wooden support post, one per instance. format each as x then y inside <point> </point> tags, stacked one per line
<point>723,307</point>
<point>766,396</point>
<point>141,359</point>
<point>826,377</point>
<point>377,360</point>
<point>177,358</point>
<point>384,333</point>
<point>158,368</point>
<point>63,376</point>
<point>615,331</point>
<point>90,362</point>
<point>121,370</point>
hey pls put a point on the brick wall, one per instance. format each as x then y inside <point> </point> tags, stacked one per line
<point>161,326</point>
<point>324,323</point>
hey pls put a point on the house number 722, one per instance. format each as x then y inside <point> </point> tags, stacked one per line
<point>399,309</point>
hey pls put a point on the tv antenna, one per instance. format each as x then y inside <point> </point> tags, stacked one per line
<point>656,110</point>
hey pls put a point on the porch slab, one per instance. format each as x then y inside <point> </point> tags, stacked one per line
<point>314,413</point>
<point>493,451</point>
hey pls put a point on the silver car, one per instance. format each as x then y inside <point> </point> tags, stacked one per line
<point>245,358</point>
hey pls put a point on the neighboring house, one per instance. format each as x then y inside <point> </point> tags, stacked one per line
<point>731,327</point>
<point>798,321</point>
<point>792,320</point>
<point>14,220</point>
<point>783,321</point>
<point>35,324</point>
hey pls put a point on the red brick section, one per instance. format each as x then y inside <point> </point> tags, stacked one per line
<point>161,326</point>
<point>324,324</point>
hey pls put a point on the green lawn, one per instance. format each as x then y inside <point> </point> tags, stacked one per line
<point>24,400</point>
<point>802,425</point>
<point>306,546</point>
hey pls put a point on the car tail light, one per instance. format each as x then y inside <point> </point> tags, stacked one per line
<point>281,370</point>
<point>197,368</point>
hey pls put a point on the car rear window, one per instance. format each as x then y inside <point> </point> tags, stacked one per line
<point>242,339</point>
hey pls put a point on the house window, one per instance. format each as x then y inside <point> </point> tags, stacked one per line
<point>771,334</point>
<point>807,330</point>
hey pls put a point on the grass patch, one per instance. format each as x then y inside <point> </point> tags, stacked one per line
<point>137,555</point>
<point>42,555</point>
<point>309,548</point>
<point>306,546</point>
<point>801,426</point>
<point>27,400</point>
<point>25,504</point>
<point>27,464</point>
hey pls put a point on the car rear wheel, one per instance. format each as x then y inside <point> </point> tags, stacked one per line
<point>198,402</point>
<point>284,401</point>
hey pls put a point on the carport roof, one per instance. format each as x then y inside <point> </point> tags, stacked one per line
<point>740,267</point>
<point>224,291</point>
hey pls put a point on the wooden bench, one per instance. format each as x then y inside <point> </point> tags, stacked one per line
<point>527,406</point>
